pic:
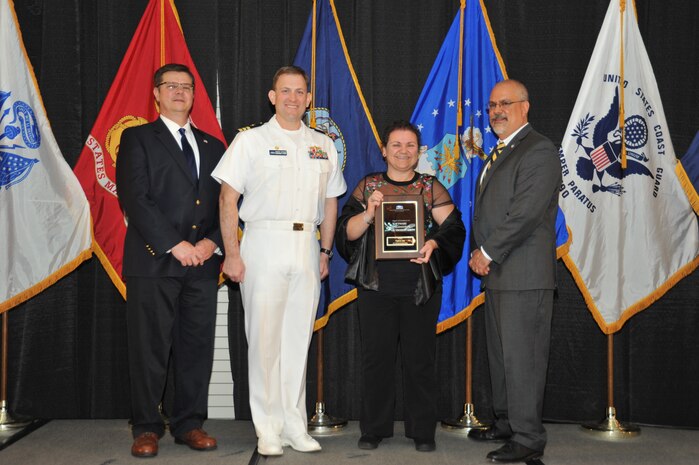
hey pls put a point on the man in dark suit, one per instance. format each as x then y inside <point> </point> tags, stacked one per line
<point>514,250</point>
<point>171,263</point>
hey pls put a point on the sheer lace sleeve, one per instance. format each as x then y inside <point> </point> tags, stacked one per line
<point>358,192</point>
<point>440,195</point>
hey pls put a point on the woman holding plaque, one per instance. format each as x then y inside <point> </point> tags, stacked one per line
<point>399,298</point>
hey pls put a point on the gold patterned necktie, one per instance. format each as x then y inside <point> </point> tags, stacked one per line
<point>496,152</point>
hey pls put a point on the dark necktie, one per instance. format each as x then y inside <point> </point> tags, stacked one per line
<point>189,155</point>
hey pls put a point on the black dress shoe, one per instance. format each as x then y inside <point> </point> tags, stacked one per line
<point>368,442</point>
<point>488,434</point>
<point>425,445</point>
<point>514,452</point>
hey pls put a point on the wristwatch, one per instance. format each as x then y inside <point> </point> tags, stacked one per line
<point>327,252</point>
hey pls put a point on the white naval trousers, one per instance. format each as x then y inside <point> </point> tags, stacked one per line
<point>280,292</point>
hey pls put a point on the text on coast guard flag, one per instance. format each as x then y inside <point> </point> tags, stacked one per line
<point>456,165</point>
<point>634,233</point>
<point>44,215</point>
<point>688,172</point>
<point>340,111</point>
<point>158,40</point>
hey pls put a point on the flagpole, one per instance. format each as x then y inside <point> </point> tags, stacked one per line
<point>6,420</point>
<point>314,29</point>
<point>322,424</point>
<point>468,421</point>
<point>610,427</point>
<point>459,104</point>
<point>622,116</point>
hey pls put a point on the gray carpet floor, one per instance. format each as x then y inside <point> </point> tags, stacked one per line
<point>108,442</point>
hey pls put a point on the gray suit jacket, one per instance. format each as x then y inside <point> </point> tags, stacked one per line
<point>514,218</point>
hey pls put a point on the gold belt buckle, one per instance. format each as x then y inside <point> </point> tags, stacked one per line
<point>298,226</point>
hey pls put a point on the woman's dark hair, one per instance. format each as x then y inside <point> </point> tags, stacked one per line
<point>400,125</point>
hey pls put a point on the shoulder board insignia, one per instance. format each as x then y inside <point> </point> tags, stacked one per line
<point>250,126</point>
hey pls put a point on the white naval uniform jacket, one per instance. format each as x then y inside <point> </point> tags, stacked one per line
<point>280,180</point>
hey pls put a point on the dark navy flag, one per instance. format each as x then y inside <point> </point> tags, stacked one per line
<point>456,161</point>
<point>688,172</point>
<point>339,109</point>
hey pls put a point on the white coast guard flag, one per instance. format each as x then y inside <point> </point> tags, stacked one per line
<point>634,232</point>
<point>44,215</point>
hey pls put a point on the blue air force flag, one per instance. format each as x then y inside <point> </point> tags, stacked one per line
<point>340,111</point>
<point>455,154</point>
<point>44,215</point>
<point>634,232</point>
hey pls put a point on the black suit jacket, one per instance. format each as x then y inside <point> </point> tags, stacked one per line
<point>162,203</point>
<point>514,218</point>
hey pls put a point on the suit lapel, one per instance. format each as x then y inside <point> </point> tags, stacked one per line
<point>204,159</point>
<point>167,139</point>
<point>509,149</point>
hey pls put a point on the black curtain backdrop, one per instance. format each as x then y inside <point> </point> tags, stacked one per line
<point>67,347</point>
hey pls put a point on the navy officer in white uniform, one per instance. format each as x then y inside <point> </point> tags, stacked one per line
<point>289,180</point>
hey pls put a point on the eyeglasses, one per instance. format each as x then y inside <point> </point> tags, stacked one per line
<point>504,104</point>
<point>173,86</point>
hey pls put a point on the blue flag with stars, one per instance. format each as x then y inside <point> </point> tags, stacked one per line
<point>455,154</point>
<point>339,110</point>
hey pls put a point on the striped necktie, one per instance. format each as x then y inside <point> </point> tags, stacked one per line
<point>496,152</point>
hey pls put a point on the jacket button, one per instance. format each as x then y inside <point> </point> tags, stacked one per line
<point>198,202</point>
<point>194,226</point>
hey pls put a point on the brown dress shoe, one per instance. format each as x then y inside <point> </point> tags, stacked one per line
<point>197,439</point>
<point>145,445</point>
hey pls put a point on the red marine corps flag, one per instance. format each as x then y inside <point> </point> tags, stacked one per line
<point>158,40</point>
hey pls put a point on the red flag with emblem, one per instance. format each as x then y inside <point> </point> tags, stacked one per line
<point>158,40</point>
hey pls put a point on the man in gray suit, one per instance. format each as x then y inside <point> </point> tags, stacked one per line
<point>514,251</point>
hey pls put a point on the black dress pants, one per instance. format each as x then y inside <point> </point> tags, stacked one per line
<point>385,320</point>
<point>165,314</point>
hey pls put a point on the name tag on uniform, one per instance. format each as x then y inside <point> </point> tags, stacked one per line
<point>316,153</point>
<point>277,152</point>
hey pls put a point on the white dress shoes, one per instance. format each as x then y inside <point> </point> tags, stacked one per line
<point>269,445</point>
<point>302,443</point>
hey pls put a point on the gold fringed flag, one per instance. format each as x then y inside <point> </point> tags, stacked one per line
<point>158,40</point>
<point>634,232</point>
<point>44,215</point>
<point>339,110</point>
<point>458,87</point>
